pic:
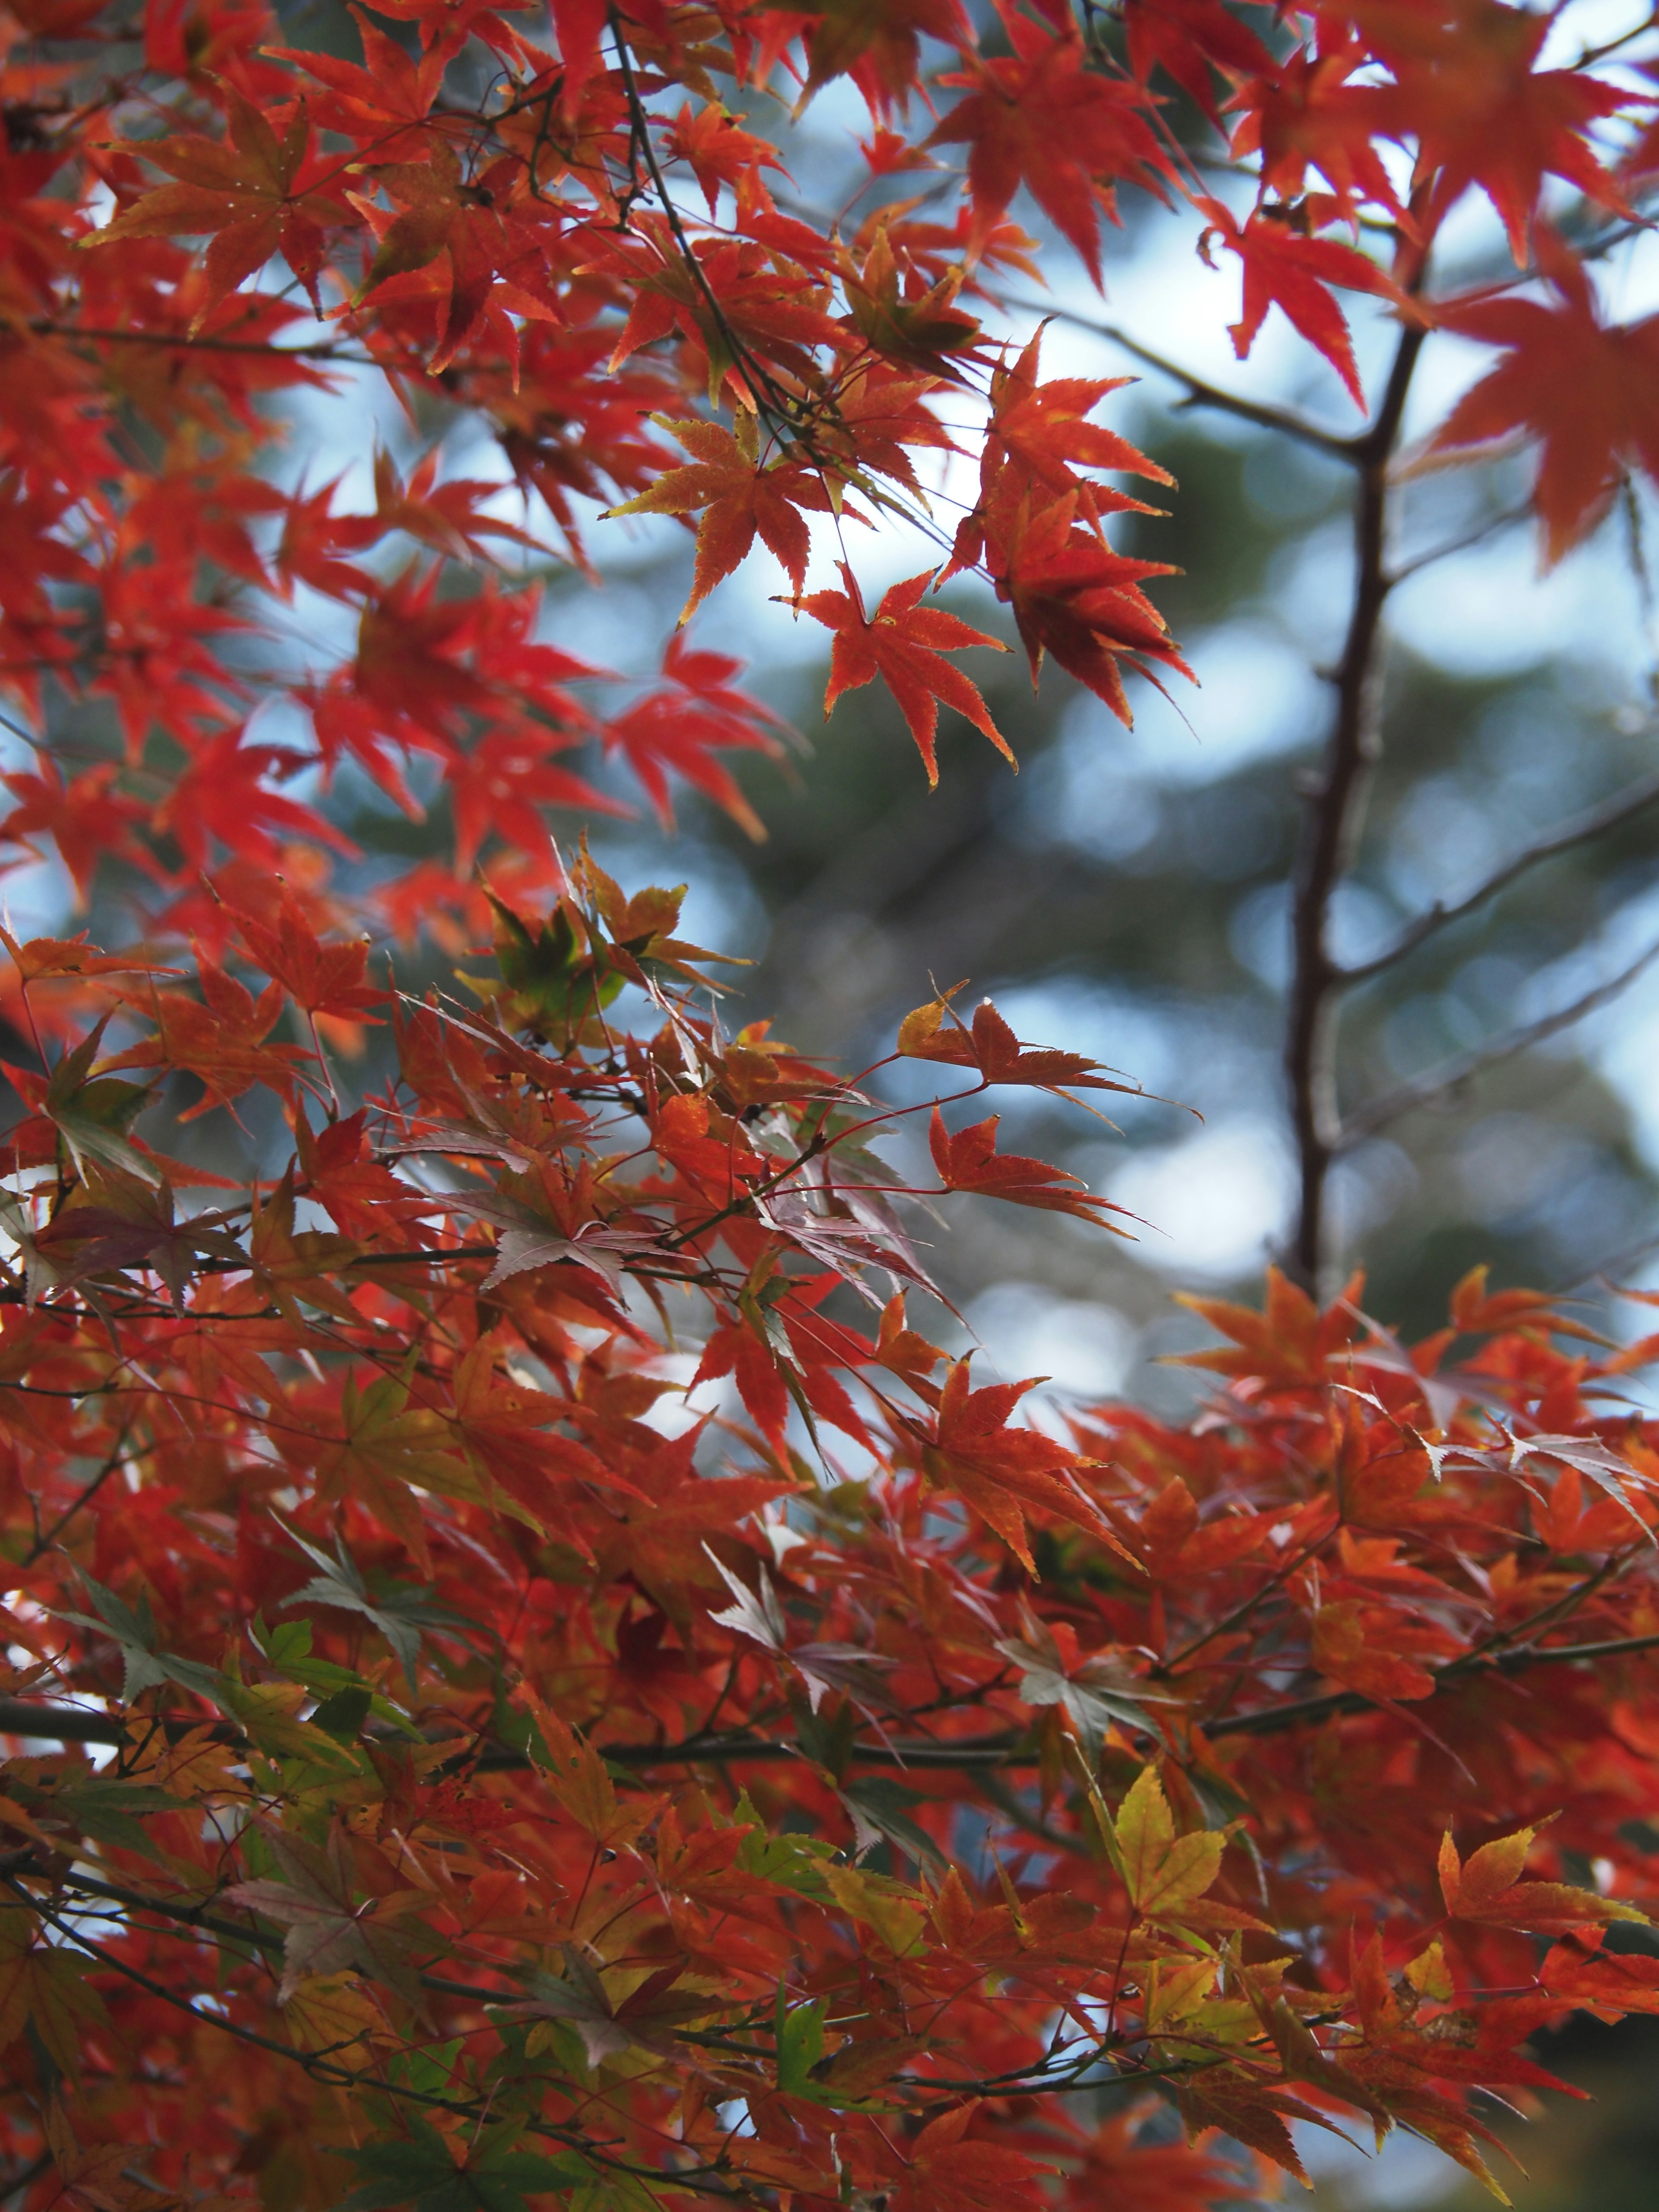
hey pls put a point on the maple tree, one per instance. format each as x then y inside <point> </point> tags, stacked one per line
<point>450,1769</point>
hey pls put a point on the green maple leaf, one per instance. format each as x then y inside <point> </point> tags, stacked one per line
<point>399,1610</point>
<point>135,1633</point>
<point>420,2174</point>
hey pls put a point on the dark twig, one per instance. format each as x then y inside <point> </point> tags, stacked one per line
<point>1579,831</point>
<point>48,1537</point>
<point>1008,1748</point>
<point>324,351</point>
<point>1424,1090</point>
<point>13,2185</point>
<point>1273,1718</point>
<point>1476,536</point>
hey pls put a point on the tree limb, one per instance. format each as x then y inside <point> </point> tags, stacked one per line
<point>67,1723</point>
<point>1594,823</point>
<point>1272,1718</point>
<point>1423,1089</point>
<point>324,351</point>
<point>1336,809</point>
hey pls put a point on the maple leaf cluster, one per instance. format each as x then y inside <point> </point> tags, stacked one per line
<point>566,1765</point>
<point>534,258</point>
<point>531,1679</point>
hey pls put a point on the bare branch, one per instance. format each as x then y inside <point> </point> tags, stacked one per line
<point>1488,528</point>
<point>1200,393</point>
<point>1423,1089</point>
<point>989,1752</point>
<point>1579,831</point>
<point>1270,1719</point>
<point>178,342</point>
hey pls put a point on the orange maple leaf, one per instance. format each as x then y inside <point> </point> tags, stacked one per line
<point>1290,1341</point>
<point>948,2174</point>
<point>1488,1887</point>
<point>1367,1650</point>
<point>719,152</point>
<point>1000,1471</point>
<point>1043,429</point>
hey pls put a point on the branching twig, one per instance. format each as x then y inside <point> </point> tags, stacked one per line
<point>1476,536</point>
<point>1579,831</point>
<point>1273,1718</point>
<point>1200,392</point>
<point>1424,1090</point>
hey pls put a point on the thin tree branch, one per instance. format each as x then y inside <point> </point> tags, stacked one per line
<point>13,2185</point>
<point>26,1717</point>
<point>1200,392</point>
<point>1336,807</point>
<point>1478,535</point>
<point>1273,1718</point>
<point>324,351</point>
<point>1579,831</point>
<point>1424,1090</point>
<point>48,1537</point>
<point>1007,1749</point>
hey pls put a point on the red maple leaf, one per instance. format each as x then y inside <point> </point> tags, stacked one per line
<point>1072,594</point>
<point>1042,118</point>
<point>1588,391</point>
<point>903,646</point>
<point>678,728</point>
<point>224,793</point>
<point>89,818</point>
<point>970,1160</point>
<point>1283,268</point>
<point>1305,113</point>
<point>253,195</point>
<point>879,47</point>
<point>1189,40</point>
<point>1466,89</point>
<point>323,979</point>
